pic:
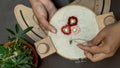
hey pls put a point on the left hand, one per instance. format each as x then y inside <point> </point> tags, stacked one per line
<point>44,10</point>
<point>104,45</point>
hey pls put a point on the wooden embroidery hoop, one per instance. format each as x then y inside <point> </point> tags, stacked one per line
<point>38,34</point>
<point>98,6</point>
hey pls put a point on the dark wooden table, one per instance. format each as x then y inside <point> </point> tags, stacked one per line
<point>8,20</point>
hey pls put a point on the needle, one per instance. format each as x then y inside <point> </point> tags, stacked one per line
<point>76,40</point>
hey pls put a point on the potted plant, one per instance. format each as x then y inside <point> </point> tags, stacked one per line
<point>18,53</point>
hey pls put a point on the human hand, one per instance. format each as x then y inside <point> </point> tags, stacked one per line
<point>104,45</point>
<point>44,10</point>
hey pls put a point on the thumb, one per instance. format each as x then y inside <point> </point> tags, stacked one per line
<point>47,25</point>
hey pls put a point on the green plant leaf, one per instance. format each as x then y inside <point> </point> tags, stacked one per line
<point>2,51</point>
<point>27,30</point>
<point>26,66</point>
<point>8,61</point>
<point>21,66</point>
<point>17,28</point>
<point>27,51</point>
<point>7,51</point>
<point>22,55</point>
<point>15,56</point>
<point>1,44</point>
<point>13,60</point>
<point>10,31</point>
<point>26,59</point>
<point>24,38</point>
<point>11,38</point>
<point>6,66</point>
<point>1,62</point>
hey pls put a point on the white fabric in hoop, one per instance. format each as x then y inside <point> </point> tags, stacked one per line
<point>88,29</point>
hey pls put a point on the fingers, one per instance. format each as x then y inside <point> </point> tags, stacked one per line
<point>92,49</point>
<point>41,12</point>
<point>87,43</point>
<point>50,7</point>
<point>51,10</point>
<point>104,47</point>
<point>96,45</point>
<point>97,53</point>
<point>96,57</point>
<point>97,40</point>
<point>44,23</point>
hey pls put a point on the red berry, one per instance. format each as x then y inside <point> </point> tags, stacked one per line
<point>72,21</point>
<point>66,30</point>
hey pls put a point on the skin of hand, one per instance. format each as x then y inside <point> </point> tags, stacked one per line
<point>104,45</point>
<point>44,10</point>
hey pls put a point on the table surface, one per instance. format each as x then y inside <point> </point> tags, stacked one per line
<point>8,20</point>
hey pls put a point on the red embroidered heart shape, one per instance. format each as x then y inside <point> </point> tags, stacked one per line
<point>72,21</point>
<point>66,29</point>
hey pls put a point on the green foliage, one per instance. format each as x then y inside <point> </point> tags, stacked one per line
<point>17,55</point>
<point>17,28</point>
<point>17,35</point>
<point>26,30</point>
<point>10,31</point>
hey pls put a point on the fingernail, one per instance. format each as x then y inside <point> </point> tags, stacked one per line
<point>53,31</point>
<point>84,43</point>
<point>79,45</point>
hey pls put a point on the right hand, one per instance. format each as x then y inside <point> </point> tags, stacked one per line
<point>44,10</point>
<point>104,45</point>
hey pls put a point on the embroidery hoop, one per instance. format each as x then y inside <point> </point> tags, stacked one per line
<point>61,42</point>
<point>98,6</point>
<point>28,14</point>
